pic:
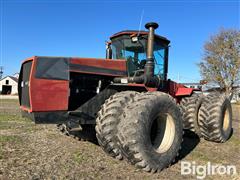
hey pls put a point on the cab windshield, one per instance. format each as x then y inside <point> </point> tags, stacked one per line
<point>135,53</point>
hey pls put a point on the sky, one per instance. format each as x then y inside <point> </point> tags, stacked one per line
<point>80,28</point>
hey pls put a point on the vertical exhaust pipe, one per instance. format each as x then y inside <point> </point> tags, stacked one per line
<point>149,66</point>
<point>108,50</point>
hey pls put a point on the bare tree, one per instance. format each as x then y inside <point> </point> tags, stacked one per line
<point>221,60</point>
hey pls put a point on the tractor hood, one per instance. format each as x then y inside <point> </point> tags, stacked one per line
<point>48,79</point>
<point>58,68</point>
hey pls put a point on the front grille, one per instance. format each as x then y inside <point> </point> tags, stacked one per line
<point>23,84</point>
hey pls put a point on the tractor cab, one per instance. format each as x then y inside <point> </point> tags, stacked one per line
<point>132,46</point>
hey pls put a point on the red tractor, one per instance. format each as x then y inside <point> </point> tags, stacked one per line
<point>138,113</point>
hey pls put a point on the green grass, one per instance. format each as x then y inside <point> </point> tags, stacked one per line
<point>1,152</point>
<point>235,140</point>
<point>12,117</point>
<point>5,126</point>
<point>9,100</point>
<point>199,155</point>
<point>80,158</point>
<point>16,123</point>
<point>9,121</point>
<point>10,138</point>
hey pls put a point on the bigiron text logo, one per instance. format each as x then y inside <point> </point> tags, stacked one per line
<point>209,169</point>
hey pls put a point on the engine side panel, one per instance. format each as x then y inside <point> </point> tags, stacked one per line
<point>116,68</point>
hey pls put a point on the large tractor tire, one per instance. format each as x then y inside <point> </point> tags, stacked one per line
<point>190,111</point>
<point>215,118</point>
<point>107,120</point>
<point>150,132</point>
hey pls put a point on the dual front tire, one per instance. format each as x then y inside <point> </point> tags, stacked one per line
<point>108,119</point>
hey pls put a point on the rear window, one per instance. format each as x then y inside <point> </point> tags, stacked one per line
<point>52,68</point>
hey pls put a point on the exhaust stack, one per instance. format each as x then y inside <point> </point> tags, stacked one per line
<point>108,50</point>
<point>149,66</point>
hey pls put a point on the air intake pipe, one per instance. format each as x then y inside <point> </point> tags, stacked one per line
<point>108,50</point>
<point>149,66</point>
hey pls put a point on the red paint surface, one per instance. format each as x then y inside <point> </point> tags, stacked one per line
<point>182,91</point>
<point>98,73</point>
<point>49,95</point>
<point>25,108</point>
<point>28,59</point>
<point>46,95</point>
<point>119,65</point>
<point>176,89</point>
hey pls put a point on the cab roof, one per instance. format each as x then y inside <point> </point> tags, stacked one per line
<point>131,32</point>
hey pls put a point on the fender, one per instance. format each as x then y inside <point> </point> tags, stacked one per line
<point>177,89</point>
<point>184,91</point>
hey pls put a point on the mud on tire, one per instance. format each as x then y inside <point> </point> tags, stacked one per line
<point>150,132</point>
<point>215,118</point>
<point>107,120</point>
<point>190,111</point>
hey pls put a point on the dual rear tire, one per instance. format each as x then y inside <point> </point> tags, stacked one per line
<point>147,129</point>
<point>215,118</point>
<point>208,116</point>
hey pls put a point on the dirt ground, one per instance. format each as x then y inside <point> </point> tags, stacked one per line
<point>29,151</point>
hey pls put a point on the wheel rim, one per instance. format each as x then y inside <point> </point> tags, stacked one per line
<point>162,133</point>
<point>226,120</point>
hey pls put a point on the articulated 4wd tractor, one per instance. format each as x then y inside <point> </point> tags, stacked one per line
<point>136,112</point>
